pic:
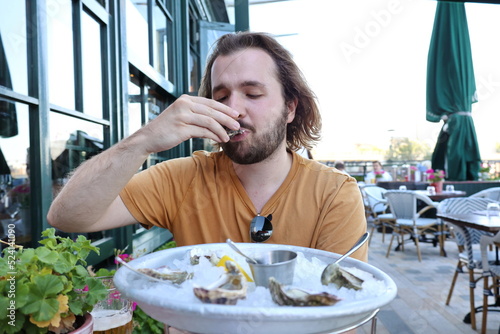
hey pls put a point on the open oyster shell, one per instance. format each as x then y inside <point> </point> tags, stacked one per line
<point>230,287</point>
<point>298,297</point>
<point>232,133</point>
<point>160,274</point>
<point>196,253</point>
<point>340,277</point>
<point>166,274</point>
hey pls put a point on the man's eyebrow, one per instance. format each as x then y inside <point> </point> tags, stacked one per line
<point>251,83</point>
<point>247,83</point>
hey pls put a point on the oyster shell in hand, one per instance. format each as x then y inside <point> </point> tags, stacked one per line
<point>340,277</point>
<point>230,287</point>
<point>298,297</point>
<point>232,133</point>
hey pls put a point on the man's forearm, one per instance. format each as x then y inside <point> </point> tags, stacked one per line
<point>95,185</point>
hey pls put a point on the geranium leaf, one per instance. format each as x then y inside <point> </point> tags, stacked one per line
<point>81,271</point>
<point>97,291</point>
<point>48,285</point>
<point>4,304</point>
<point>26,256</point>
<point>41,307</point>
<point>47,256</point>
<point>9,326</point>
<point>22,294</point>
<point>66,263</point>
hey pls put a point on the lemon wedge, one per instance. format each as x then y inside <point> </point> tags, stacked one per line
<point>222,263</point>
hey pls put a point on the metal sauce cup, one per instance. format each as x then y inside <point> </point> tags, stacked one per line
<point>279,264</point>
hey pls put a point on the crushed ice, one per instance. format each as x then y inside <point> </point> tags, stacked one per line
<point>307,276</point>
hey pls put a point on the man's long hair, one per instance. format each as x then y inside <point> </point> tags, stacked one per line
<point>305,129</point>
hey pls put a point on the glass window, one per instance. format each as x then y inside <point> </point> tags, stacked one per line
<point>60,53</point>
<point>72,141</point>
<point>160,43</point>
<point>194,81</point>
<point>92,67</point>
<point>137,31</point>
<point>155,103</point>
<point>209,33</point>
<point>135,119</point>
<point>169,57</point>
<point>168,5</point>
<point>13,53</point>
<point>15,191</point>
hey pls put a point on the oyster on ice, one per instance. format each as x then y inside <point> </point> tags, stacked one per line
<point>340,277</point>
<point>164,273</point>
<point>230,287</point>
<point>196,253</point>
<point>298,297</point>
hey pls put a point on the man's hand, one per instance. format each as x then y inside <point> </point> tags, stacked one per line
<point>189,117</point>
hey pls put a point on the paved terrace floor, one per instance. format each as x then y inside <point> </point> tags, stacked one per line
<point>419,306</point>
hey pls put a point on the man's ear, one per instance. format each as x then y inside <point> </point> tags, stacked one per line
<point>291,107</point>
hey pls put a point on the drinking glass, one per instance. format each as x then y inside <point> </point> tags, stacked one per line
<point>431,190</point>
<point>450,188</point>
<point>493,210</point>
<point>113,315</point>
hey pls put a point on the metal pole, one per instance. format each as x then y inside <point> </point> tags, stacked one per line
<point>241,15</point>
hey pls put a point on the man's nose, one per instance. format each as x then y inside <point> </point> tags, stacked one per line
<point>237,104</point>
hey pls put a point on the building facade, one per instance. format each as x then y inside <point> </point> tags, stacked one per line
<point>76,76</point>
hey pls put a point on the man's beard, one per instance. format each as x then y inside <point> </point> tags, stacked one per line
<point>262,147</point>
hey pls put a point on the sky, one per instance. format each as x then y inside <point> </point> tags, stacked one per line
<point>366,60</point>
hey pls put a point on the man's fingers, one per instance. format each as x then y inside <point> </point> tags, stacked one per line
<point>220,112</point>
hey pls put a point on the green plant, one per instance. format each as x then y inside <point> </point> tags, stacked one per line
<point>144,324</point>
<point>46,288</point>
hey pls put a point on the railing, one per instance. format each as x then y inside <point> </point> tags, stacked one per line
<point>400,170</point>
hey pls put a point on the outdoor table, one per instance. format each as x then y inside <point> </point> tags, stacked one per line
<point>471,220</point>
<point>443,195</point>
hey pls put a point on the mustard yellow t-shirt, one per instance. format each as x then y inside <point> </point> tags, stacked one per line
<point>201,200</point>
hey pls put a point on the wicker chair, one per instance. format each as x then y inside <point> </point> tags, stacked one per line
<point>490,269</point>
<point>408,220</point>
<point>376,206</point>
<point>490,193</point>
<point>467,240</point>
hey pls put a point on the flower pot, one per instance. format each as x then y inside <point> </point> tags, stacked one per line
<point>87,327</point>
<point>438,186</point>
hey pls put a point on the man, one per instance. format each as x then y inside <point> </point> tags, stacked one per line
<point>377,174</point>
<point>256,182</point>
<point>340,166</point>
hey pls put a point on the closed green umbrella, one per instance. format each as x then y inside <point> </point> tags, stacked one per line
<point>451,90</point>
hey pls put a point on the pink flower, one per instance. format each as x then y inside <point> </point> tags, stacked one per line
<point>124,257</point>
<point>134,305</point>
<point>115,295</point>
<point>22,189</point>
<point>86,288</point>
<point>435,175</point>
